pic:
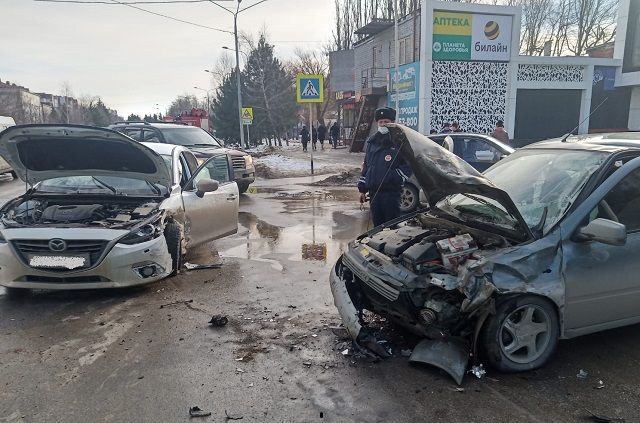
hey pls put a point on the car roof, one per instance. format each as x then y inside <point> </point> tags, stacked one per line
<point>137,124</point>
<point>495,141</point>
<point>607,142</point>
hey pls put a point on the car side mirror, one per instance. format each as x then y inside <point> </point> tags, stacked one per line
<point>206,185</point>
<point>604,231</point>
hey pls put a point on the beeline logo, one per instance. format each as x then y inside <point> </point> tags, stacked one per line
<point>491,30</point>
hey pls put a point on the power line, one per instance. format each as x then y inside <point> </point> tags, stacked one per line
<point>131,5</point>
<point>127,2</point>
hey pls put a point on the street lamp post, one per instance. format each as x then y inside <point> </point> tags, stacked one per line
<point>235,36</point>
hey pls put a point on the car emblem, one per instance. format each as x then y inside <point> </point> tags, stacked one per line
<point>57,245</point>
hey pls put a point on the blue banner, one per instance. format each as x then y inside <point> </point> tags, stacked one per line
<point>408,90</point>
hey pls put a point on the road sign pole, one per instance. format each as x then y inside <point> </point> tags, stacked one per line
<point>248,137</point>
<point>311,129</point>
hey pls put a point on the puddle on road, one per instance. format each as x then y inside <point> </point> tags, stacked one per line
<point>349,194</point>
<point>322,239</point>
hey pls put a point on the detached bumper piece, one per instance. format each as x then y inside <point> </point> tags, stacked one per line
<point>449,354</point>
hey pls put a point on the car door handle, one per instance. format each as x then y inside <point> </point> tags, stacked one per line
<point>231,197</point>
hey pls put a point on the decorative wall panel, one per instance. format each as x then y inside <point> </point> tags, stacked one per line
<point>472,93</point>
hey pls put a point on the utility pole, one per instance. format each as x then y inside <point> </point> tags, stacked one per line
<point>235,36</point>
<point>396,77</point>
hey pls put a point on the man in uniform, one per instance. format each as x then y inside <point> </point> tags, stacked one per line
<point>383,171</point>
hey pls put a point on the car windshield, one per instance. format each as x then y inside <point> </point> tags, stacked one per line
<point>189,136</point>
<point>535,180</point>
<point>99,185</point>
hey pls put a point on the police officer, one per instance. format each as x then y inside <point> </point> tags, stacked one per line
<point>383,171</point>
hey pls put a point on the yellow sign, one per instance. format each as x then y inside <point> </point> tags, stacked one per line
<point>247,113</point>
<point>309,88</point>
<point>452,23</point>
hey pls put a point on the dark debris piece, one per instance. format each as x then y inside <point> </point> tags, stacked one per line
<point>198,412</point>
<point>218,320</point>
<point>593,417</point>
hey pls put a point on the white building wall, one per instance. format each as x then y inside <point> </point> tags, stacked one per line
<point>634,110</point>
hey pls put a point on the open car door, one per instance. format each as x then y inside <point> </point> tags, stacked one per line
<point>211,202</point>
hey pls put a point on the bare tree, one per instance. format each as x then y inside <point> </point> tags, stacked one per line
<point>535,21</point>
<point>314,62</point>
<point>593,23</point>
<point>221,69</point>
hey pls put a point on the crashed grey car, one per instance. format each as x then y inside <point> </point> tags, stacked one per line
<point>543,246</point>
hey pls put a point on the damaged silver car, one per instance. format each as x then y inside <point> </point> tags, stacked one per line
<point>102,210</point>
<point>543,246</point>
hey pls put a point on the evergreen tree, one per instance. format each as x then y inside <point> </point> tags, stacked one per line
<point>224,110</point>
<point>132,117</point>
<point>270,90</point>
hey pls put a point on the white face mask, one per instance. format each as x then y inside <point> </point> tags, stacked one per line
<point>383,130</point>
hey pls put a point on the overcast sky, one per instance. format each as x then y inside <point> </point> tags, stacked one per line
<point>135,60</point>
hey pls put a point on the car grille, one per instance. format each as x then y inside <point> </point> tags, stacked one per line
<point>373,282</point>
<point>238,162</point>
<point>94,248</point>
<point>74,279</point>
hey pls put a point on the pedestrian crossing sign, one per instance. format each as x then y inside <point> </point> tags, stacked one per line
<point>309,88</point>
<point>247,115</point>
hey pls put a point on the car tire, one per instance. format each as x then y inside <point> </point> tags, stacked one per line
<point>173,236</point>
<point>522,335</point>
<point>242,188</point>
<point>409,198</point>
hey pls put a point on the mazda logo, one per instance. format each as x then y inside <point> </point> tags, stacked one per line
<point>57,245</point>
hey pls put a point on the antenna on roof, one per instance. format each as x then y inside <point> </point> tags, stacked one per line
<point>564,138</point>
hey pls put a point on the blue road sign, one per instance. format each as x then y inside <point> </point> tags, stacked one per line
<point>309,88</point>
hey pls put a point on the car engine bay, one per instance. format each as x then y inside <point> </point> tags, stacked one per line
<point>72,212</point>
<point>421,274</point>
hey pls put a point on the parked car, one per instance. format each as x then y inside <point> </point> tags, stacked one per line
<point>6,122</point>
<point>105,211</point>
<point>480,151</point>
<point>543,246</point>
<point>200,142</point>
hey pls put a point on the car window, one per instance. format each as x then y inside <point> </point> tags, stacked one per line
<point>479,150</point>
<point>149,135</point>
<point>189,136</point>
<point>191,161</point>
<point>134,133</point>
<point>183,170</point>
<point>622,203</point>
<point>217,169</point>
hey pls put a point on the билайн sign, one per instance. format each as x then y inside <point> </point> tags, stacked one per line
<point>471,36</point>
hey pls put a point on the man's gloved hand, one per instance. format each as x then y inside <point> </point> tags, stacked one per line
<point>363,198</point>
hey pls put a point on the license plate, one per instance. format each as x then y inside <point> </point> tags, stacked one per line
<point>59,262</point>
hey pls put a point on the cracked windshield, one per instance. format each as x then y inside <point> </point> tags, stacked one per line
<point>319,210</point>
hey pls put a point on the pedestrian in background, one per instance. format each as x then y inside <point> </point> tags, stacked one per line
<point>446,128</point>
<point>500,133</point>
<point>384,171</point>
<point>322,134</point>
<point>455,127</point>
<point>314,137</point>
<point>334,132</point>
<point>432,131</point>
<point>304,137</point>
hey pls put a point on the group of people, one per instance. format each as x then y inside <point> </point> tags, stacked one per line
<point>319,134</point>
<point>498,133</point>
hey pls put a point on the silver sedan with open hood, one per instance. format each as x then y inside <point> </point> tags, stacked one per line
<point>544,245</point>
<point>102,210</point>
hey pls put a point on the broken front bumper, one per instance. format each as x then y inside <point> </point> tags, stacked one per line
<point>447,353</point>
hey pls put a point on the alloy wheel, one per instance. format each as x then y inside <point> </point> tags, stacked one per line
<point>525,334</point>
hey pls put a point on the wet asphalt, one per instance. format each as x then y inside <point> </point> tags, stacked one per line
<point>148,354</point>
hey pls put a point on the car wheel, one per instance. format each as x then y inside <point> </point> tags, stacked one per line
<point>173,235</point>
<point>522,335</point>
<point>242,188</point>
<point>409,198</point>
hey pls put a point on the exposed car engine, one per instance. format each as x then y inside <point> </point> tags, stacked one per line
<point>45,211</point>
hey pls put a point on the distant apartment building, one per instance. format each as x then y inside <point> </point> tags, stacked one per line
<point>20,103</point>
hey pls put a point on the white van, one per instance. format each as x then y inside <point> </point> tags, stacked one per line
<point>5,122</point>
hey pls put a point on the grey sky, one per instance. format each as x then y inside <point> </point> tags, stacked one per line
<point>132,59</point>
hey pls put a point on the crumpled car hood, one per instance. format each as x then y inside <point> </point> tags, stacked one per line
<point>441,173</point>
<point>40,152</point>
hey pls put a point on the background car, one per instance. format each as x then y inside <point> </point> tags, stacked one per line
<point>105,211</point>
<point>200,142</point>
<point>480,151</point>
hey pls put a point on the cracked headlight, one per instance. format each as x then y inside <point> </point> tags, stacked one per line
<point>248,159</point>
<point>143,233</point>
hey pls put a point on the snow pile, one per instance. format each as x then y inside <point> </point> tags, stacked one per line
<point>278,166</point>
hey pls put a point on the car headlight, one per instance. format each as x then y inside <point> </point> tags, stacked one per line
<point>248,160</point>
<point>143,233</point>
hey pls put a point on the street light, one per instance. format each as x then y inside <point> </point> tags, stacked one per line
<point>237,50</point>
<point>246,56</point>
